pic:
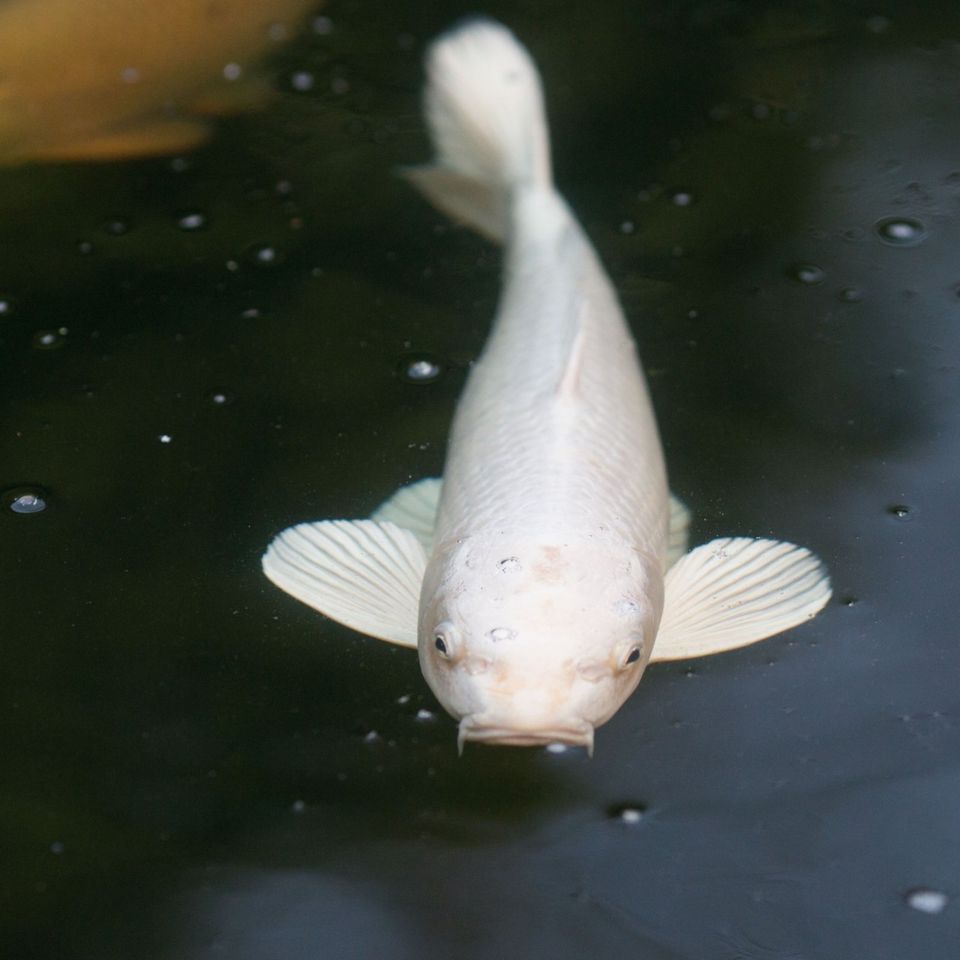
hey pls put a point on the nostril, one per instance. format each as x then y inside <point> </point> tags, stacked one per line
<point>475,665</point>
<point>592,671</point>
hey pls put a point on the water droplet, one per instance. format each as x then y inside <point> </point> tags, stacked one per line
<point>165,438</point>
<point>509,565</point>
<point>627,227</point>
<point>277,32</point>
<point>900,231</point>
<point>808,273</point>
<point>372,737</point>
<point>926,900</point>
<point>900,511</point>
<point>627,812</point>
<point>682,199</point>
<point>849,601</point>
<point>232,71</point>
<point>25,500</point>
<point>404,699</point>
<point>221,399</point>
<point>57,847</point>
<point>626,607</point>
<point>298,806</point>
<point>194,220</point>
<point>425,716</point>
<point>556,748</point>
<point>85,247</point>
<point>264,255</point>
<point>302,81</point>
<point>421,370</point>
<point>499,634</point>
<point>850,295</point>
<point>50,339</point>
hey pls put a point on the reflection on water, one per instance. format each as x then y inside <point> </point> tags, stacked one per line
<point>184,747</point>
<point>106,79</point>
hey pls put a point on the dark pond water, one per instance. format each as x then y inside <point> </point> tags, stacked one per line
<point>196,353</point>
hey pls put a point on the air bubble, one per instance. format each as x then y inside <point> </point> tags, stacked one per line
<point>302,81</point>
<point>165,438</point>
<point>117,227</point>
<point>194,220</point>
<point>50,339</point>
<point>850,295</point>
<point>926,900</point>
<point>425,716</point>
<point>627,812</point>
<point>264,255</point>
<point>499,634</point>
<point>232,71</point>
<point>221,399</point>
<point>421,370</point>
<point>900,231</point>
<point>806,273</point>
<point>627,227</point>
<point>556,748</point>
<point>900,511</point>
<point>682,199</point>
<point>25,500</point>
<point>298,806</point>
<point>509,565</point>
<point>322,26</point>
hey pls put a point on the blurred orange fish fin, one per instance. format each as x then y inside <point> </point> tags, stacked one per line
<point>150,138</point>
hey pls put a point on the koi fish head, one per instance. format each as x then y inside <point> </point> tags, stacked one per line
<point>534,643</point>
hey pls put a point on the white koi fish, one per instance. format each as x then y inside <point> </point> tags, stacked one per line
<point>549,567</point>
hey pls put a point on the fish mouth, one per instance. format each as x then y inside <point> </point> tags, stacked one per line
<point>476,730</point>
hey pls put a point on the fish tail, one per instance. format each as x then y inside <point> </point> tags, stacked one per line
<point>484,108</point>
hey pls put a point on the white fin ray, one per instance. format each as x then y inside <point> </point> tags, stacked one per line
<point>414,508</point>
<point>361,573</point>
<point>736,591</point>
<point>484,110</point>
<point>678,538</point>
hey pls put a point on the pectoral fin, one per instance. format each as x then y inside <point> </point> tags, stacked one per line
<point>363,574</point>
<point>414,508</point>
<point>735,591</point>
<point>679,536</point>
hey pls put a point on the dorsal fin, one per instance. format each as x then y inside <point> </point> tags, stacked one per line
<point>569,384</point>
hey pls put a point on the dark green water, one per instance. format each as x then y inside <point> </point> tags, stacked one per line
<point>195,766</point>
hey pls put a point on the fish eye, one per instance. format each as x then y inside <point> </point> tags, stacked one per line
<point>445,640</point>
<point>635,653</point>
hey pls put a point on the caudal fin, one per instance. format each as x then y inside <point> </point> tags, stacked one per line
<point>484,110</point>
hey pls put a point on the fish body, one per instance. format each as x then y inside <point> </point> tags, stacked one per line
<point>536,580</point>
<point>106,79</point>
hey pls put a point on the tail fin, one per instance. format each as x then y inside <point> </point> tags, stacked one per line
<point>484,109</point>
